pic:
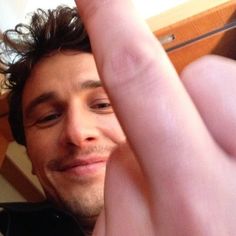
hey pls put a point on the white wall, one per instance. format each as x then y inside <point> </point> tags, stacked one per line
<point>14,11</point>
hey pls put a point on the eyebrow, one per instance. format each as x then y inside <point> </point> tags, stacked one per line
<point>50,96</point>
<point>43,98</point>
<point>90,84</point>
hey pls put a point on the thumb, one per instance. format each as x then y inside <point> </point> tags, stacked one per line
<point>211,83</point>
<point>126,196</point>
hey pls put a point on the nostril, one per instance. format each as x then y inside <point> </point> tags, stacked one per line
<point>90,139</point>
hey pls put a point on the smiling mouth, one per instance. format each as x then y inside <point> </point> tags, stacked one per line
<point>84,168</point>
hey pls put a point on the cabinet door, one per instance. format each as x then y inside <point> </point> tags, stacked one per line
<point>212,31</point>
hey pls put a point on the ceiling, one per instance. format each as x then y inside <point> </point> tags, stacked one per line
<point>15,11</point>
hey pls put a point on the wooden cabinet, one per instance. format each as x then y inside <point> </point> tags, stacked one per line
<point>209,31</point>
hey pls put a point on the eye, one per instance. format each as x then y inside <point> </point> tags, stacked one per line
<point>101,105</point>
<point>48,119</point>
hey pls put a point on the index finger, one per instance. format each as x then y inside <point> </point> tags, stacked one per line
<point>156,113</point>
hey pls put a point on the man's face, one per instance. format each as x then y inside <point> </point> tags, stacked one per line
<point>70,130</point>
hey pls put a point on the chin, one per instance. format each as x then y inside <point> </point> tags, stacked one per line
<point>83,202</point>
<point>85,206</point>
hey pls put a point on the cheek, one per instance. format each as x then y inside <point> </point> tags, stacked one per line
<point>113,130</point>
<point>40,154</point>
<point>37,156</point>
<point>38,148</point>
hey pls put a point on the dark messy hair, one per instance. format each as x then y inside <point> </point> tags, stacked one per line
<point>22,47</point>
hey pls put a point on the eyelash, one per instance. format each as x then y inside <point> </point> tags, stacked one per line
<point>48,119</point>
<point>101,104</point>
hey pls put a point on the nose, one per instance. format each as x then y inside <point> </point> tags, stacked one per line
<point>79,128</point>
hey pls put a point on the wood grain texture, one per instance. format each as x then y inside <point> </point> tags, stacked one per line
<point>187,32</point>
<point>220,44</point>
<point>184,11</point>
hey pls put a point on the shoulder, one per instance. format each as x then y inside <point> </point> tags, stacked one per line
<point>36,219</point>
<point>25,206</point>
<point>14,215</point>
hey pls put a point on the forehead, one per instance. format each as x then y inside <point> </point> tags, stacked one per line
<point>59,73</point>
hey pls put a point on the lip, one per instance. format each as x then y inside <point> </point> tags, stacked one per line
<point>84,167</point>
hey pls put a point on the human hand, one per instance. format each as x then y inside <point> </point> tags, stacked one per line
<point>182,133</point>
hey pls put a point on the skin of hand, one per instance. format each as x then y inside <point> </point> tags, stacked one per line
<point>181,180</point>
